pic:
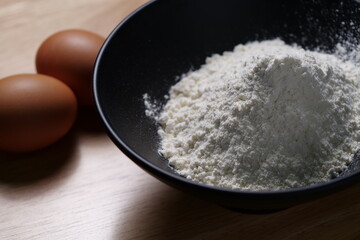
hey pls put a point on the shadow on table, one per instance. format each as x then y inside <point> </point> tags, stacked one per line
<point>88,122</point>
<point>48,167</point>
<point>22,168</point>
<point>175,215</point>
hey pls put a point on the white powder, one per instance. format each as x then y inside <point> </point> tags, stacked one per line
<point>152,107</point>
<point>266,116</point>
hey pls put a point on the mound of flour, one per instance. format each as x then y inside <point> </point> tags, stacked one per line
<point>266,116</point>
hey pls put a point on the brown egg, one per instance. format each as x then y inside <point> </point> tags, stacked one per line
<point>35,111</point>
<point>70,56</point>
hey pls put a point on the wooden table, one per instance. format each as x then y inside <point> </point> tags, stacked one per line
<point>83,187</point>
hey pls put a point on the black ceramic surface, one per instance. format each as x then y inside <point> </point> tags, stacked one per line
<point>165,38</point>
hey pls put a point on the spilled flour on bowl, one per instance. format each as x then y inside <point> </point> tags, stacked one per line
<point>266,116</point>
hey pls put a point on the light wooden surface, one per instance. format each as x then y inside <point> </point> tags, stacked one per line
<point>84,188</point>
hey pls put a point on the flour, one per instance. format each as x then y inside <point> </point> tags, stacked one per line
<point>152,107</point>
<point>266,116</point>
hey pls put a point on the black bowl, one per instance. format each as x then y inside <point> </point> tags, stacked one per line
<point>164,39</point>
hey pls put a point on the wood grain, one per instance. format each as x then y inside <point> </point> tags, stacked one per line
<point>83,187</point>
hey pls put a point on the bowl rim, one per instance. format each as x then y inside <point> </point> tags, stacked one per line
<point>331,185</point>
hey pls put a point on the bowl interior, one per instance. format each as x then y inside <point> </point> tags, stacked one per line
<point>149,50</point>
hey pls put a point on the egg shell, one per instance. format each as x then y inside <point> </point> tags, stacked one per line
<point>70,56</point>
<point>35,111</point>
